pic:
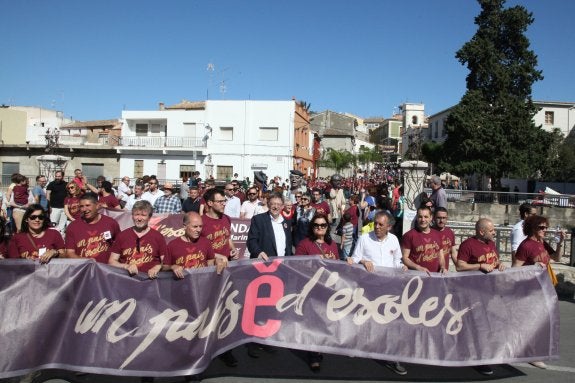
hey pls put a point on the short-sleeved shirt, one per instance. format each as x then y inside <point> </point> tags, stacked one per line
<point>21,244</point>
<point>73,204</point>
<point>308,247</point>
<point>168,204</point>
<point>145,252</point>
<point>57,194</point>
<point>322,207</point>
<point>92,240</point>
<point>474,251</point>
<point>423,248</point>
<point>531,251</point>
<point>447,237</point>
<point>109,200</point>
<point>39,192</point>
<point>188,254</point>
<point>218,232</point>
<point>347,231</point>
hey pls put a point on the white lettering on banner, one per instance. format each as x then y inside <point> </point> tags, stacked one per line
<point>95,319</point>
<point>239,228</point>
<point>345,301</point>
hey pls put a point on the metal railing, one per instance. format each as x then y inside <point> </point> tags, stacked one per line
<point>508,198</point>
<point>162,142</point>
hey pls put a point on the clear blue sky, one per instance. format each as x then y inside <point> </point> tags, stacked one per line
<point>92,59</point>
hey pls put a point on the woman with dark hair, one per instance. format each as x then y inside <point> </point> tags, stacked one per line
<point>72,201</point>
<point>534,249</point>
<point>318,241</point>
<point>304,214</point>
<point>36,239</point>
<point>106,197</point>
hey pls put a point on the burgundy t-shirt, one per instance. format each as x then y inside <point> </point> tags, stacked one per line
<point>189,255</point>
<point>474,251</point>
<point>322,207</point>
<point>530,252</point>
<point>109,200</point>
<point>423,248</point>
<point>92,240</point>
<point>73,204</point>
<point>218,232</point>
<point>309,247</point>
<point>152,248</point>
<point>21,247</point>
<point>447,237</point>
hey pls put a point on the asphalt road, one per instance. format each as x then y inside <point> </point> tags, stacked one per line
<point>287,366</point>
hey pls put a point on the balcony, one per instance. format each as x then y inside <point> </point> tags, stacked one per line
<point>161,142</point>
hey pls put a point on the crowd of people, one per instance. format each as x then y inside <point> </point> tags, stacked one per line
<point>358,224</point>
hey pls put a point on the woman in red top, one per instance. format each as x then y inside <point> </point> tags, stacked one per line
<point>288,210</point>
<point>72,201</point>
<point>319,242</point>
<point>534,249</point>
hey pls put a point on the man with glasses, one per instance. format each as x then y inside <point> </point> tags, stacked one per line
<point>135,197</point>
<point>139,248</point>
<point>446,235</point>
<point>56,194</point>
<point>169,202</point>
<point>380,248</point>
<point>249,206</point>
<point>233,204</point>
<point>93,234</point>
<point>153,192</point>
<point>517,235</point>
<point>479,253</point>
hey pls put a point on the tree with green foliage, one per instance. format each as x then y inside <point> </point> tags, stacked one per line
<point>337,159</point>
<point>491,130</point>
<point>367,156</point>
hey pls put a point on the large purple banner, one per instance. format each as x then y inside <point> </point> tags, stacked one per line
<point>84,316</point>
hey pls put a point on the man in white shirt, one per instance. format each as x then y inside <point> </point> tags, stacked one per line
<point>249,206</point>
<point>380,248</point>
<point>233,203</point>
<point>517,235</point>
<point>124,191</point>
<point>136,196</point>
<point>153,192</point>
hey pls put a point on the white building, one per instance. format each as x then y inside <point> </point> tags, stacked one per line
<point>216,137</point>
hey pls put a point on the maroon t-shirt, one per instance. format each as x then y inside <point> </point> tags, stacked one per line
<point>189,255</point>
<point>145,253</point>
<point>4,248</point>
<point>423,248</point>
<point>354,213</point>
<point>322,207</point>
<point>21,247</point>
<point>474,251</point>
<point>309,247</point>
<point>447,237</point>
<point>92,240</point>
<point>109,200</point>
<point>531,251</point>
<point>73,204</point>
<point>218,232</point>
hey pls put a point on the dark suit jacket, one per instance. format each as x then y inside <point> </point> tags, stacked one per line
<point>261,237</point>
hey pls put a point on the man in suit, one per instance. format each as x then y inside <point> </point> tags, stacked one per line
<point>267,226</point>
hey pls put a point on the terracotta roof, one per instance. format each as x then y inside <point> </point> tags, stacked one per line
<point>90,124</point>
<point>187,105</point>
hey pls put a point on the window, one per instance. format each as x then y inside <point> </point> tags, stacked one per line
<point>224,172</point>
<point>226,133</point>
<point>549,118</point>
<point>186,171</point>
<point>414,120</point>
<point>9,168</point>
<point>436,132</point>
<point>92,171</point>
<point>138,168</point>
<point>269,134</point>
<point>141,130</point>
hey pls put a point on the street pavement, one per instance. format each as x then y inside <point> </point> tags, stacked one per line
<point>289,365</point>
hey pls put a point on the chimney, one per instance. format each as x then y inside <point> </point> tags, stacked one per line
<point>161,105</point>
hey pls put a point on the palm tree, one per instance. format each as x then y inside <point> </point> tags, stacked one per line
<point>367,156</point>
<point>337,159</point>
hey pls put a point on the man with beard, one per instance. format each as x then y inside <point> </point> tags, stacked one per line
<point>169,202</point>
<point>248,209</point>
<point>421,249</point>
<point>55,194</point>
<point>93,234</point>
<point>139,248</point>
<point>320,206</point>
<point>296,184</point>
<point>153,192</point>
<point>446,235</point>
<point>217,225</point>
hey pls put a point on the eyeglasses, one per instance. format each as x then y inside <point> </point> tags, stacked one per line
<point>230,189</point>
<point>298,196</point>
<point>71,188</point>
<point>220,200</point>
<point>320,225</point>
<point>252,193</point>
<point>304,199</point>
<point>34,217</point>
<point>542,227</point>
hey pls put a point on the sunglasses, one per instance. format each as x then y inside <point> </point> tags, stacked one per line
<point>298,196</point>
<point>34,217</point>
<point>252,193</point>
<point>542,227</point>
<point>71,188</point>
<point>320,225</point>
